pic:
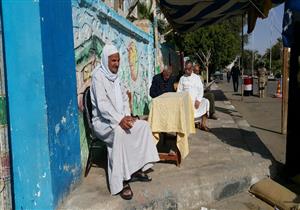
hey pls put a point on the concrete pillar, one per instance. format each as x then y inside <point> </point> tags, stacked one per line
<point>42,102</point>
<point>5,178</point>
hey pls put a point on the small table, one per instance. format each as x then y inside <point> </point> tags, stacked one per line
<point>173,112</point>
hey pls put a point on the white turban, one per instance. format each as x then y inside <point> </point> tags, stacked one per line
<point>108,50</point>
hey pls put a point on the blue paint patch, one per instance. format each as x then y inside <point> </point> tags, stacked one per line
<point>41,86</point>
<point>60,86</point>
<point>27,105</point>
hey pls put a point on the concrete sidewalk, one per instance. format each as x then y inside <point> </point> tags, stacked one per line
<point>221,164</point>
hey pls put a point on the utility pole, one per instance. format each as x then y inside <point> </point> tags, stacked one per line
<point>241,60</point>
<point>253,56</point>
<point>155,35</point>
<point>270,66</point>
<point>252,66</point>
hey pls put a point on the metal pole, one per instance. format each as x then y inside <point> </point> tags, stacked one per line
<point>253,56</point>
<point>241,63</point>
<point>285,90</point>
<point>270,66</point>
<point>252,66</point>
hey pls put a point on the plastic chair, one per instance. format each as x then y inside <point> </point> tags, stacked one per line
<point>91,137</point>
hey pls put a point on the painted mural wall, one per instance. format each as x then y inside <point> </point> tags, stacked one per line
<point>95,24</point>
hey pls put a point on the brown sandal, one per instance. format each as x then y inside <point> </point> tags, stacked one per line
<point>204,128</point>
<point>126,192</point>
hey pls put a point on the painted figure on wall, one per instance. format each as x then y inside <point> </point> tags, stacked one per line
<point>132,59</point>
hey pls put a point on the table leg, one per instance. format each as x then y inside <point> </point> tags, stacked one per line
<point>174,156</point>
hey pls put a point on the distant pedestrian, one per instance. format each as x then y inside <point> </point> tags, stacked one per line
<point>228,74</point>
<point>262,79</point>
<point>235,73</point>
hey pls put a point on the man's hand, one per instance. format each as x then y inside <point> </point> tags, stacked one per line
<point>127,122</point>
<point>197,104</point>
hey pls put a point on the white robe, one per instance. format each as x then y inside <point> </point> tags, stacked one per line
<point>194,86</point>
<point>128,151</point>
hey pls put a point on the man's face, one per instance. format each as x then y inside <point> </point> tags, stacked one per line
<point>188,69</point>
<point>166,74</point>
<point>113,62</point>
<point>196,69</point>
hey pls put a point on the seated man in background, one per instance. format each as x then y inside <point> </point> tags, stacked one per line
<point>209,95</point>
<point>192,83</point>
<point>163,82</point>
<point>130,145</point>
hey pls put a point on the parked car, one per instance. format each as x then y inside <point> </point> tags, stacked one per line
<point>218,75</point>
<point>271,77</point>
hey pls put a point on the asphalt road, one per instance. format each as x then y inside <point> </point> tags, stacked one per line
<point>263,115</point>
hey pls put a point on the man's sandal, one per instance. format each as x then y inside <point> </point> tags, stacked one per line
<point>126,192</point>
<point>204,128</point>
<point>140,176</point>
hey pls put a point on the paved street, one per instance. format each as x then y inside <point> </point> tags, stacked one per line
<point>263,115</point>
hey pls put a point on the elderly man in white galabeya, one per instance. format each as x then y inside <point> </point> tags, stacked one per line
<point>192,84</point>
<point>130,145</point>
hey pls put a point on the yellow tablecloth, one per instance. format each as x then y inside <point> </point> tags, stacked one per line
<point>173,112</point>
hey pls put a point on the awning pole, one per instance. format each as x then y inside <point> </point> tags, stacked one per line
<point>241,60</point>
<point>285,90</point>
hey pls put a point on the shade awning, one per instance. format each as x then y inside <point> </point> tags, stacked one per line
<point>188,15</point>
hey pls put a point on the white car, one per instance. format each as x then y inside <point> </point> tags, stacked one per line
<point>271,77</point>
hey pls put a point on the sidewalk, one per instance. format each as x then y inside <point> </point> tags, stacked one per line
<point>221,164</point>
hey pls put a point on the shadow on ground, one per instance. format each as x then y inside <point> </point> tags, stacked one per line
<point>242,137</point>
<point>248,141</point>
<point>219,95</point>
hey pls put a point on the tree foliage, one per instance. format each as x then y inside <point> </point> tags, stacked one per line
<point>145,12</point>
<point>276,57</point>
<point>213,46</point>
<point>252,59</point>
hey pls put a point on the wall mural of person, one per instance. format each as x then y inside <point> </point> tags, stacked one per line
<point>133,61</point>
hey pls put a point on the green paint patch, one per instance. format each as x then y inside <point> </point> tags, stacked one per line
<point>3,120</point>
<point>157,69</point>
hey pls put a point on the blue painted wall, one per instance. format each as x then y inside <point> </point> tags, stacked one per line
<point>41,89</point>
<point>61,97</point>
